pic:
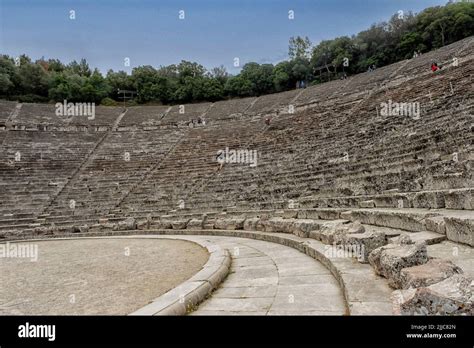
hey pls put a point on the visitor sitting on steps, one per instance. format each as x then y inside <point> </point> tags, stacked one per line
<point>435,67</point>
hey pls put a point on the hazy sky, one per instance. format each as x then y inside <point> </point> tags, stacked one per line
<point>212,33</point>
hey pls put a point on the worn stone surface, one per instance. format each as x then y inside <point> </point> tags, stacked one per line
<point>143,224</point>
<point>229,223</point>
<point>207,222</point>
<point>364,243</point>
<point>367,204</point>
<point>436,224</point>
<point>302,227</point>
<point>460,229</point>
<point>250,224</point>
<point>164,222</point>
<point>457,199</point>
<point>333,232</point>
<point>194,224</point>
<point>272,279</point>
<point>452,296</point>
<point>459,254</point>
<point>277,224</point>
<point>388,218</point>
<point>403,239</point>
<point>389,260</point>
<point>84,228</point>
<point>434,271</point>
<point>179,224</point>
<point>127,224</point>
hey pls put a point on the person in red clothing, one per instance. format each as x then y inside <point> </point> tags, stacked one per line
<point>434,67</point>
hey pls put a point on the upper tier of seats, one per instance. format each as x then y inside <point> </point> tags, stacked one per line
<point>328,145</point>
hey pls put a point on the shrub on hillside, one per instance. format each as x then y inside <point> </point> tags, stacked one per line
<point>108,102</point>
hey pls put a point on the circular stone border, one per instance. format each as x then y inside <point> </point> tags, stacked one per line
<point>364,292</point>
<point>185,297</point>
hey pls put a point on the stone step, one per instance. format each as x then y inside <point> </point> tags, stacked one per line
<point>425,236</point>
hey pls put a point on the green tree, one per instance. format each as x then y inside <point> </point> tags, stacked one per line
<point>259,76</point>
<point>299,47</point>
<point>82,68</point>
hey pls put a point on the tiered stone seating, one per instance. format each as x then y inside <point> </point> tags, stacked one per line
<point>186,113</point>
<point>34,166</point>
<point>6,109</point>
<point>189,165</point>
<point>305,153</point>
<point>31,115</point>
<point>104,119</point>
<point>320,92</point>
<point>144,116</point>
<point>228,108</point>
<point>116,166</point>
<point>268,104</point>
<point>443,56</point>
<point>43,117</point>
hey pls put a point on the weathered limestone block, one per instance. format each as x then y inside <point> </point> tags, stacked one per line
<point>229,223</point>
<point>144,223</point>
<point>347,215</point>
<point>278,224</point>
<point>290,213</point>
<point>452,296</point>
<point>302,227</point>
<point>195,224</point>
<point>367,204</point>
<point>95,227</point>
<point>103,220</point>
<point>402,239</point>
<point>460,230</point>
<point>250,224</point>
<point>179,224</point>
<point>262,222</point>
<point>165,222</point>
<point>84,228</point>
<point>333,231</point>
<point>308,214</point>
<point>208,224</point>
<point>269,225</point>
<point>389,260</point>
<point>436,224</point>
<point>460,199</point>
<point>350,228</point>
<point>107,226</point>
<point>364,243</point>
<point>434,271</point>
<point>395,219</point>
<point>430,200</point>
<point>321,213</point>
<point>42,230</point>
<point>127,224</point>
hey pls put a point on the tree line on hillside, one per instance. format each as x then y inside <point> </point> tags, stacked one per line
<point>382,44</point>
